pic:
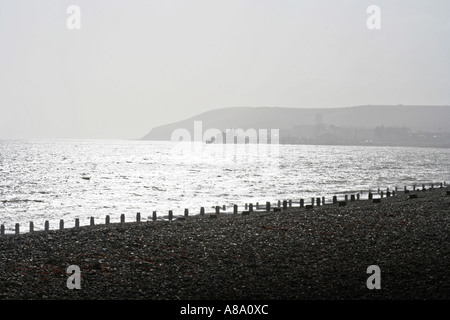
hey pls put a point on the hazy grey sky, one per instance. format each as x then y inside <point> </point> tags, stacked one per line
<point>138,64</point>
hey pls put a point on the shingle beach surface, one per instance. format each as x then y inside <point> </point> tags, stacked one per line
<point>296,253</point>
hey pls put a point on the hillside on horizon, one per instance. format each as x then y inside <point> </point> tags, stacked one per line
<point>300,125</point>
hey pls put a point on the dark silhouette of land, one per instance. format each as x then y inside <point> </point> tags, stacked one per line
<point>397,125</point>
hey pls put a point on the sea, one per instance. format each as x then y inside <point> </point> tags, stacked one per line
<point>50,180</point>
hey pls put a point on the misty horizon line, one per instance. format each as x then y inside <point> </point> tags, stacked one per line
<point>141,137</point>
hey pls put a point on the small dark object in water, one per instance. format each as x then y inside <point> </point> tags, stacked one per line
<point>86,178</point>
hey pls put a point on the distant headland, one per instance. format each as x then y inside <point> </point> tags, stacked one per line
<point>395,125</point>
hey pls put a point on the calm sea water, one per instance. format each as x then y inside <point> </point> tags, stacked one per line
<point>67,179</point>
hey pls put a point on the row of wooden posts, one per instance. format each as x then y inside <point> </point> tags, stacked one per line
<point>249,207</point>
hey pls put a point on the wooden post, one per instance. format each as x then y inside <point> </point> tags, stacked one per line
<point>346,197</point>
<point>381,194</point>
<point>318,201</point>
<point>77,222</point>
<point>154,216</point>
<point>92,221</point>
<point>224,208</point>
<point>138,217</point>
<point>334,199</point>
<point>17,228</point>
<point>370,196</point>
<point>279,204</point>
<point>46,226</point>
<point>284,204</point>
<point>31,226</point>
<point>218,209</point>
<point>235,209</point>
<point>302,203</point>
<point>2,230</point>
<point>186,212</point>
<point>357,196</point>
<point>246,206</point>
<point>388,194</point>
<point>352,197</point>
<point>323,201</point>
<point>170,215</point>
<point>250,207</point>
<point>61,224</point>
<point>414,187</point>
<point>122,218</point>
<point>107,219</point>
<point>290,203</point>
<point>257,205</point>
<point>268,206</point>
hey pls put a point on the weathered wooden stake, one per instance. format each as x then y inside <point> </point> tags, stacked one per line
<point>107,219</point>
<point>318,201</point>
<point>77,222</point>
<point>302,203</point>
<point>284,204</point>
<point>290,203</point>
<point>250,207</point>
<point>352,197</point>
<point>46,226</point>
<point>31,226</point>
<point>138,217</point>
<point>370,196</point>
<point>154,216</point>
<point>92,221</point>
<point>267,206</point>
<point>186,213</point>
<point>122,218</point>
<point>202,211</point>
<point>334,199</point>
<point>170,215</point>
<point>235,209</point>
<point>217,209</point>
<point>2,230</point>
<point>17,228</point>
<point>61,224</point>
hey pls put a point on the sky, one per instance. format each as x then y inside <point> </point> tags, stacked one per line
<point>133,65</point>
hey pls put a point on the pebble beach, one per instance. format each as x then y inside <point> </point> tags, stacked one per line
<point>293,254</point>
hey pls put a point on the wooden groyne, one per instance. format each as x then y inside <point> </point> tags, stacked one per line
<point>375,196</point>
